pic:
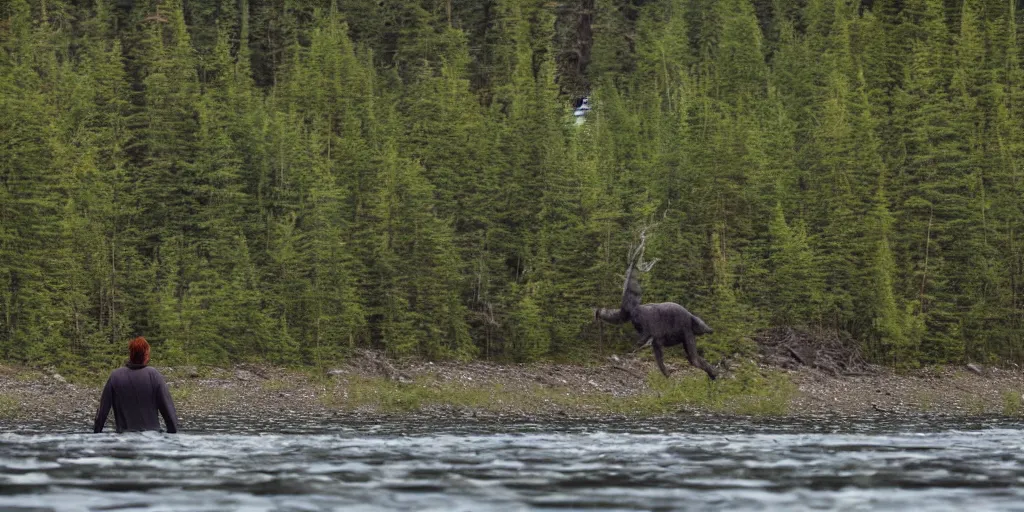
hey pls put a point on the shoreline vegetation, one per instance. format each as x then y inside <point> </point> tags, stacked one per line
<point>371,386</point>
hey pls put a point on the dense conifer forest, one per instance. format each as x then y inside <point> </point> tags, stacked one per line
<point>287,181</point>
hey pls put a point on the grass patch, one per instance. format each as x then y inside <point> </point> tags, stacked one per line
<point>977,407</point>
<point>1011,403</point>
<point>427,391</point>
<point>315,376</point>
<point>93,377</point>
<point>275,385</point>
<point>29,376</point>
<point>935,371</point>
<point>182,394</point>
<point>191,372</point>
<point>926,400</point>
<point>9,407</point>
<point>750,392</point>
<point>197,396</point>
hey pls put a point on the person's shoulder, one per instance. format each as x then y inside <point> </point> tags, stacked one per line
<point>153,372</point>
<point>118,375</point>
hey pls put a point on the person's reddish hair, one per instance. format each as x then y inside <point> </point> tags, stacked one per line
<point>138,351</point>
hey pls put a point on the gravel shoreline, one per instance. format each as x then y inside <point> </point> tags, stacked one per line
<point>480,389</point>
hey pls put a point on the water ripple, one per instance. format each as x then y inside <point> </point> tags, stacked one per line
<point>317,463</point>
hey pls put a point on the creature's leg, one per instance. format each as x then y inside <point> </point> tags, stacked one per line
<point>659,356</point>
<point>690,343</point>
<point>644,342</point>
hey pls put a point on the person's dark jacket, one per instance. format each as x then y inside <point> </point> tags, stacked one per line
<point>136,392</point>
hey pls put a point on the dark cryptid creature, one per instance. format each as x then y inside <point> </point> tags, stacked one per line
<point>660,325</point>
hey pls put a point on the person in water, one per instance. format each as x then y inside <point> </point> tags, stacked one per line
<point>137,392</point>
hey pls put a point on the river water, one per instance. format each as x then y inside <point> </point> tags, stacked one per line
<point>320,463</point>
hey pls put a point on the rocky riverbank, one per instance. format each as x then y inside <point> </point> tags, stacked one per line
<point>369,385</point>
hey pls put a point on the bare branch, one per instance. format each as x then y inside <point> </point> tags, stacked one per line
<point>636,253</point>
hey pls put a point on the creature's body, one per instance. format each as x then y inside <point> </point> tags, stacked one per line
<point>660,325</point>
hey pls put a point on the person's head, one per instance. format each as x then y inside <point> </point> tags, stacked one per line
<point>138,351</point>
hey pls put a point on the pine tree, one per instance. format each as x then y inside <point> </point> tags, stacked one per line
<point>976,275</point>
<point>798,284</point>
<point>166,126</point>
<point>930,205</point>
<point>29,195</point>
<point>415,268</point>
<point>337,317</point>
<point>734,322</point>
<point>663,52</point>
<point>739,72</point>
<point>287,287</point>
<point>1006,150</point>
<point>891,323</point>
<point>529,338</point>
<point>111,201</point>
<point>89,277</point>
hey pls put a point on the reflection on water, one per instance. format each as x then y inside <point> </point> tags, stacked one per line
<point>323,463</point>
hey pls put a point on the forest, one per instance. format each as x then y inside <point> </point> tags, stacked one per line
<point>287,181</point>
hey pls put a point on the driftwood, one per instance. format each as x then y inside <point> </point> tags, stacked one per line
<point>820,349</point>
<point>384,366</point>
<point>795,354</point>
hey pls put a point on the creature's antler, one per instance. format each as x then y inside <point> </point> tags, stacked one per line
<point>636,254</point>
<point>631,290</point>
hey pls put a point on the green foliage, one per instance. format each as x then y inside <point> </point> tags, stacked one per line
<point>1011,403</point>
<point>530,340</point>
<point>426,392</point>
<point>9,407</point>
<point>291,182</point>
<point>749,392</point>
<point>795,274</point>
<point>734,322</point>
<point>893,332</point>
